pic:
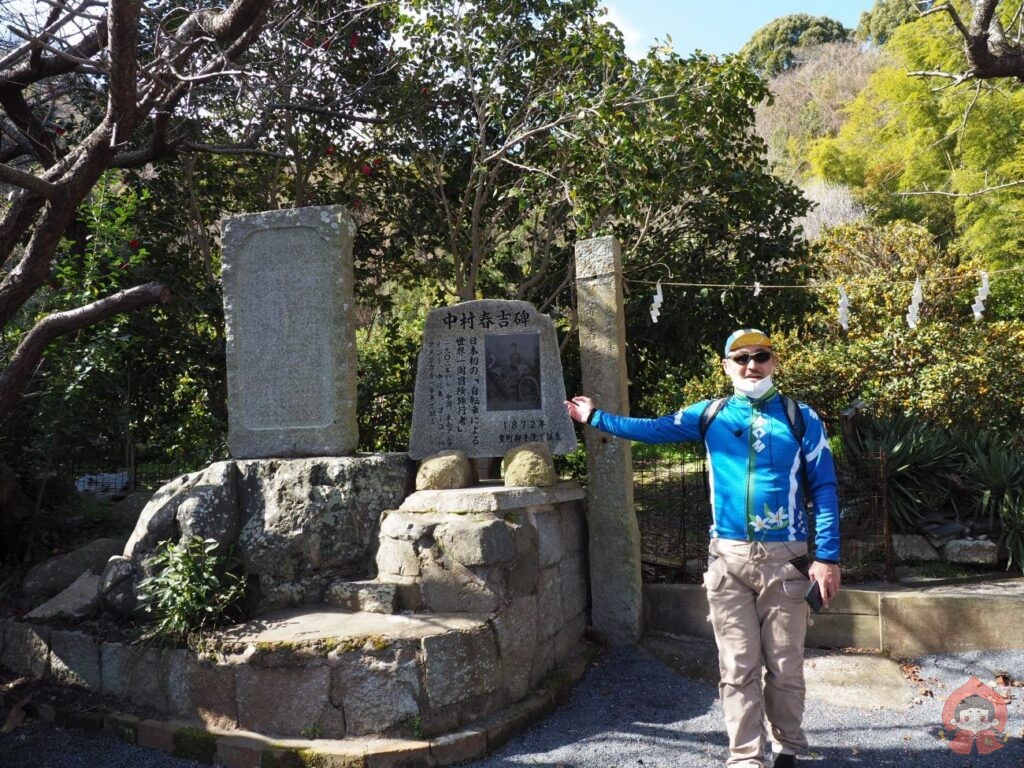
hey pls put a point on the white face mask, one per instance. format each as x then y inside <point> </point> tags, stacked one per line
<point>752,388</point>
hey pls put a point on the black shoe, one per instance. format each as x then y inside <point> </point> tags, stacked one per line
<point>785,761</point>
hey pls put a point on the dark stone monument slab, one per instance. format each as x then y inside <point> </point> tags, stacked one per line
<point>489,379</point>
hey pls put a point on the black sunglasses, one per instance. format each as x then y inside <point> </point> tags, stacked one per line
<point>758,357</point>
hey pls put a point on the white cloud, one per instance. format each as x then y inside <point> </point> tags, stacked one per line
<point>636,46</point>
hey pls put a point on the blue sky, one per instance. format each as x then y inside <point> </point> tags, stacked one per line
<point>714,27</point>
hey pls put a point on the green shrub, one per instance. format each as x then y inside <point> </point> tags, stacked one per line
<point>996,473</point>
<point>193,589</point>
<point>919,463</point>
<point>1012,535</point>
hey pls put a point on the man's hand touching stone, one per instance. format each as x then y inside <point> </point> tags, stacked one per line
<point>580,408</point>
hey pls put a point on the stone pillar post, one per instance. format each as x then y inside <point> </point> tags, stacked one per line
<point>616,585</point>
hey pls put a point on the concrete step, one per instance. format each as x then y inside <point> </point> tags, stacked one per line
<point>868,681</point>
<point>905,621</point>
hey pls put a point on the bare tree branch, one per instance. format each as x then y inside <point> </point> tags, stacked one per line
<point>989,53</point>
<point>228,149</point>
<point>327,111</point>
<point>975,193</point>
<point>16,376</point>
<point>28,181</point>
<point>77,62</point>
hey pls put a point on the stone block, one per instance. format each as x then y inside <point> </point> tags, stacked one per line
<point>376,691</point>
<point>912,547</point>
<point>195,744</point>
<point>678,609</point>
<point>155,734</point>
<point>75,659</point>
<point>289,317</point>
<point>408,593</point>
<point>572,573</point>
<point>445,470</point>
<point>397,558</point>
<point>315,518</point>
<point>525,570</point>
<point>915,625</point>
<point>282,701</point>
<point>202,690</point>
<point>210,508</point>
<point>529,465</point>
<point>516,631</point>
<point>452,587</point>
<point>122,725</point>
<point>406,526</point>
<point>971,552</point>
<point>239,752</point>
<point>547,520</point>
<point>859,601</point>
<point>27,649</point>
<point>399,753</point>
<point>550,613</point>
<point>460,747</point>
<point>516,719</point>
<point>56,574</point>
<point>574,529</point>
<point>568,639</point>
<point>543,661</point>
<point>502,358</point>
<point>844,630</point>
<point>146,673</point>
<point>459,665</point>
<point>471,541</point>
<point>157,519</point>
<point>117,586</point>
<point>368,596</point>
<point>77,601</point>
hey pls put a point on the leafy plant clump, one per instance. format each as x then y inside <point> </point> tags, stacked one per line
<point>194,589</point>
<point>918,463</point>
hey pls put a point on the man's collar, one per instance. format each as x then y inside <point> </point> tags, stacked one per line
<point>772,392</point>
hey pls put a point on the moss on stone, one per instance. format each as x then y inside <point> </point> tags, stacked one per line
<point>195,744</point>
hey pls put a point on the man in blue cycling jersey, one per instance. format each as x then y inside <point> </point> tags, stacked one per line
<point>765,452</point>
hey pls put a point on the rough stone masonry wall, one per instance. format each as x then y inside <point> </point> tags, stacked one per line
<point>297,524</point>
<point>524,561</point>
<point>500,601</point>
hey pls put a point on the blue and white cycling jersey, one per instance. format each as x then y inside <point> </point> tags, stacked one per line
<point>753,468</point>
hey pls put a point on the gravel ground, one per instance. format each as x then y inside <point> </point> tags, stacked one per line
<point>631,710</point>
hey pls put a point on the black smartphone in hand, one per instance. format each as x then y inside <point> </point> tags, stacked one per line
<point>813,597</point>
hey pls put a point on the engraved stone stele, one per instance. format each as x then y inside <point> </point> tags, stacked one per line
<point>290,324</point>
<point>489,379</point>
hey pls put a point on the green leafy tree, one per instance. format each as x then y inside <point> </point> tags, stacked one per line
<point>773,48</point>
<point>877,24</point>
<point>531,129</point>
<point>809,102</point>
<point>950,159</point>
<point>84,94</point>
<point>951,371</point>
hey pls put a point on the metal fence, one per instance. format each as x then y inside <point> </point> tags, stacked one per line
<point>108,480</point>
<point>674,516</point>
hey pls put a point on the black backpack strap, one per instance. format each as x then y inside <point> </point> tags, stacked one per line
<point>795,417</point>
<point>797,425</point>
<point>711,410</point>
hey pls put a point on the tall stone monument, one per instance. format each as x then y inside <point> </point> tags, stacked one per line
<point>616,580</point>
<point>489,378</point>
<point>291,348</point>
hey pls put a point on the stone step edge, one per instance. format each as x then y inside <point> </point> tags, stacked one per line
<point>245,749</point>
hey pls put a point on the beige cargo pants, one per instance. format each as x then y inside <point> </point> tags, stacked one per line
<point>759,617</point>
